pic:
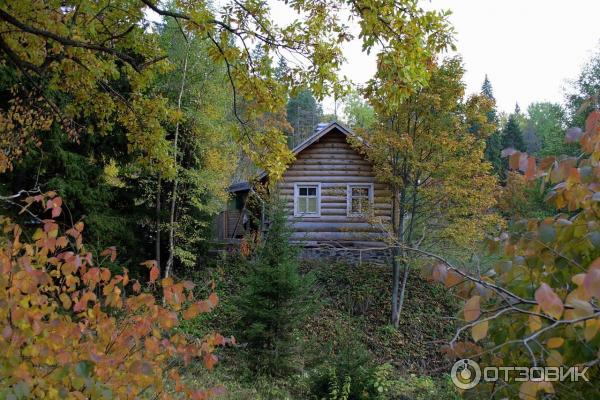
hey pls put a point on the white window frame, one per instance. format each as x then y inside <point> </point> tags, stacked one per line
<point>349,198</point>
<point>297,187</point>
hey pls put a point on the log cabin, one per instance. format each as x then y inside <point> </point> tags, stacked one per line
<point>335,204</point>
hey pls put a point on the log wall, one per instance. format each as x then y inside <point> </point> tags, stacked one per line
<point>334,164</point>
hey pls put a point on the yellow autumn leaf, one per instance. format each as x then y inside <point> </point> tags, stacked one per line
<point>554,342</point>
<point>479,330</point>
<point>591,329</point>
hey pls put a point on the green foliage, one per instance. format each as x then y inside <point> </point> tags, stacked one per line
<point>206,151</point>
<point>359,114</point>
<point>493,142</point>
<point>512,136</point>
<point>276,300</point>
<point>412,387</point>
<point>583,94</point>
<point>349,373</point>
<point>549,122</point>
<point>303,114</point>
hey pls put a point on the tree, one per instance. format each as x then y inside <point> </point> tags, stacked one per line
<point>487,90</point>
<point>549,121</point>
<point>203,141</point>
<point>531,139</point>
<point>424,150</point>
<point>303,114</point>
<point>71,328</point>
<point>359,114</point>
<point>582,95</point>
<point>512,137</point>
<point>538,306</point>
<point>493,143</point>
<point>276,300</point>
<point>99,48</point>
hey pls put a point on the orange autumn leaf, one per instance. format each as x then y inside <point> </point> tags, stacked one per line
<point>549,301</point>
<point>472,309</point>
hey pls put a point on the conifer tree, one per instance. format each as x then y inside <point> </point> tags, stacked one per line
<point>276,300</point>
<point>493,144</point>
<point>512,135</point>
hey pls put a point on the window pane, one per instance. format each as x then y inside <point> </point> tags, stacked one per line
<point>363,192</point>
<point>302,191</point>
<point>302,204</point>
<point>312,205</point>
<point>312,191</point>
<point>355,206</point>
<point>364,205</point>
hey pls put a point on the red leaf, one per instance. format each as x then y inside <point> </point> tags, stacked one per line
<point>592,121</point>
<point>112,251</point>
<point>549,301</point>
<point>210,360</point>
<point>531,170</point>
<point>213,299</point>
<point>154,273</point>
<point>56,212</point>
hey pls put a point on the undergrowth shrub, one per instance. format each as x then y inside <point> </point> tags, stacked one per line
<point>349,373</point>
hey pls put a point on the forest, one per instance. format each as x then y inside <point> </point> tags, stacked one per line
<point>123,124</point>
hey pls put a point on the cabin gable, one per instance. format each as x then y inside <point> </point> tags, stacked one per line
<point>338,174</point>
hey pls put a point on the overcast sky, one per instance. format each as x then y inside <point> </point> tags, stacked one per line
<point>528,48</point>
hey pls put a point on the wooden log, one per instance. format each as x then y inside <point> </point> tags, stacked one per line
<point>333,218</point>
<point>330,180</point>
<point>337,236</point>
<point>334,227</point>
<point>330,161</point>
<point>326,173</point>
<point>330,167</point>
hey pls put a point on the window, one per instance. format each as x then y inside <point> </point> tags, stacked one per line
<point>360,199</point>
<point>307,200</point>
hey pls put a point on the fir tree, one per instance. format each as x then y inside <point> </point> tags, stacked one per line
<point>276,300</point>
<point>512,135</point>
<point>493,144</point>
<point>486,88</point>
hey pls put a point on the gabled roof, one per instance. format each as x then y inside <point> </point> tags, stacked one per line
<point>322,130</point>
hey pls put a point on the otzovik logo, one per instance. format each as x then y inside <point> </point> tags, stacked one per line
<point>465,374</point>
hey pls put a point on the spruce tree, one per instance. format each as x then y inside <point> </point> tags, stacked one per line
<point>276,299</point>
<point>493,144</point>
<point>512,135</point>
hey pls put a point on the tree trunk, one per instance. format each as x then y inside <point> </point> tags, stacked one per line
<point>169,265</point>
<point>158,206</point>
<point>398,253</point>
<point>407,238</point>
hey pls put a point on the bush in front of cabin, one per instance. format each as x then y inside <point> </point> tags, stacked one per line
<point>349,372</point>
<point>275,301</point>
